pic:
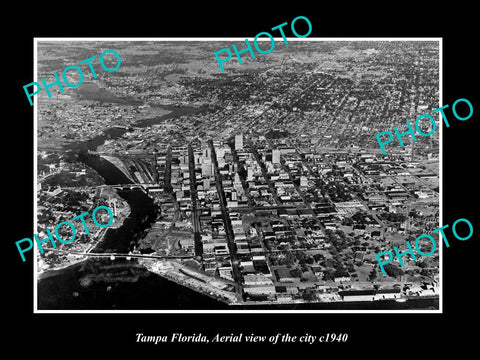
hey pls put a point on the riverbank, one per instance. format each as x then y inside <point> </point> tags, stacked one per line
<point>119,164</point>
<point>413,303</point>
<point>64,255</point>
<point>84,287</point>
<point>130,233</point>
<point>174,271</point>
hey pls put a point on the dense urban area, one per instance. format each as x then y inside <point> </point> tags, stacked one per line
<point>268,184</point>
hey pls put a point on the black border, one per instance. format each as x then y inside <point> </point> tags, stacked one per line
<point>374,334</point>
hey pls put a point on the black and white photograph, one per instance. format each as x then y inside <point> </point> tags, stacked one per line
<point>261,186</point>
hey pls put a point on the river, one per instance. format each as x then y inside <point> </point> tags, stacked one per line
<point>102,284</point>
<point>119,284</point>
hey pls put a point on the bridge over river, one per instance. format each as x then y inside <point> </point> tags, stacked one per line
<point>113,256</point>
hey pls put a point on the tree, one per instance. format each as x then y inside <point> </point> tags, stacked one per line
<point>342,235</point>
<point>300,255</point>
<point>393,217</point>
<point>358,217</point>
<point>318,257</point>
<point>296,272</point>
<point>308,296</point>
<point>393,270</point>
<point>426,272</point>
<point>422,264</point>
<point>327,275</point>
<point>341,272</point>
<point>42,168</point>
<point>373,274</point>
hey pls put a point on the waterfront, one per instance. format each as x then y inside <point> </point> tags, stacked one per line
<point>423,303</point>
<point>120,284</point>
<point>65,290</point>
<point>126,285</point>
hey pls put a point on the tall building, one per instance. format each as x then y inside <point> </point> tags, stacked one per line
<point>113,203</point>
<point>207,168</point>
<point>183,159</point>
<point>206,153</point>
<point>238,142</point>
<point>303,181</point>
<point>276,156</point>
<point>155,167</point>
<point>220,152</point>
<point>206,183</point>
<point>237,183</point>
<point>198,158</point>
<point>237,179</point>
<point>249,174</point>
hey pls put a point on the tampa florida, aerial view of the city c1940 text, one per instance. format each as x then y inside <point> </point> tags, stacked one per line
<point>262,187</point>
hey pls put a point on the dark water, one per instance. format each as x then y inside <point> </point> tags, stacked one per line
<point>175,111</point>
<point>64,290</point>
<point>119,284</point>
<point>95,284</point>
<point>93,143</point>
<point>113,133</point>
<point>103,284</point>
<point>91,91</point>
